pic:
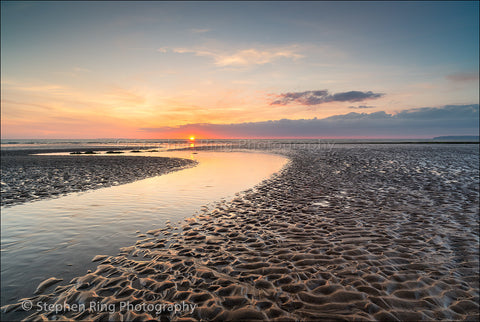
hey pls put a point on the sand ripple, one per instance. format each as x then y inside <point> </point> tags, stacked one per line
<point>26,178</point>
<point>358,234</point>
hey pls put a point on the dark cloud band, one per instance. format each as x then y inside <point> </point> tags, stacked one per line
<point>420,122</point>
<point>322,96</point>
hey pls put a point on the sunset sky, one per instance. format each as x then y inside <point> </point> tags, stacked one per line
<point>239,69</point>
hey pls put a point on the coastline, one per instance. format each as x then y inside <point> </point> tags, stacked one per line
<point>369,233</point>
<point>28,177</point>
<point>60,236</point>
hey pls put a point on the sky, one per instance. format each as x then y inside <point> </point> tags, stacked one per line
<point>239,69</point>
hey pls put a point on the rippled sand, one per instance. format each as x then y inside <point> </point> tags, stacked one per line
<point>355,233</point>
<point>33,177</point>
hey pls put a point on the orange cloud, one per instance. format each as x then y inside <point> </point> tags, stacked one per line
<point>244,57</point>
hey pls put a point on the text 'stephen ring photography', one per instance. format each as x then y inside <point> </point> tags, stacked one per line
<point>239,161</point>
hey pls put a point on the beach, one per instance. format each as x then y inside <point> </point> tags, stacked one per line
<point>27,177</point>
<point>353,232</point>
<point>240,161</point>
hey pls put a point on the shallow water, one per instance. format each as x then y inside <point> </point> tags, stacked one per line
<point>59,237</point>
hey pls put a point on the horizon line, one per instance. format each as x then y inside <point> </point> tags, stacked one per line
<point>258,138</point>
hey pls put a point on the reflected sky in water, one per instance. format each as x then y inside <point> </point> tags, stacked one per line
<point>59,237</point>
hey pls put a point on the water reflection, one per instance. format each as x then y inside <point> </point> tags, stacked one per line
<point>59,237</point>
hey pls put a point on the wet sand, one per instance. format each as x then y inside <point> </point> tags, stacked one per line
<point>355,233</point>
<point>33,177</point>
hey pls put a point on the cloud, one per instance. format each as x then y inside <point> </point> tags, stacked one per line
<point>322,96</point>
<point>362,106</point>
<point>463,77</point>
<point>35,106</point>
<point>122,97</point>
<point>421,123</point>
<point>199,31</point>
<point>244,57</point>
<point>255,57</point>
<point>50,88</point>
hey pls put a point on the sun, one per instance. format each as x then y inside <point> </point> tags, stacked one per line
<point>192,138</point>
